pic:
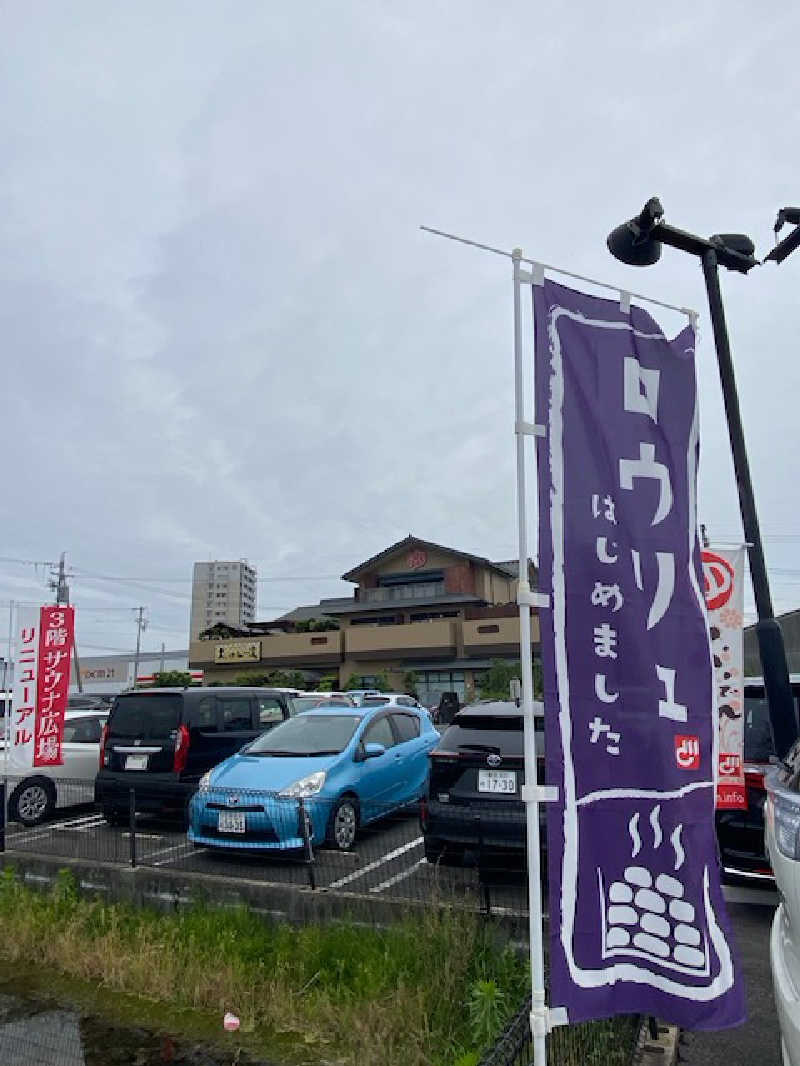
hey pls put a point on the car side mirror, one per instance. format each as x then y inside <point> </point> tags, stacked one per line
<point>373,750</point>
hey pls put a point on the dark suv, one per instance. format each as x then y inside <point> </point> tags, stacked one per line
<point>161,741</point>
<point>741,832</point>
<point>477,770</point>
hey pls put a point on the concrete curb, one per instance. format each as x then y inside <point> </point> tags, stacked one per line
<point>172,889</point>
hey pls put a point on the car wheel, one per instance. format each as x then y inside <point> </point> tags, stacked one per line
<point>343,824</point>
<point>114,815</point>
<point>32,801</point>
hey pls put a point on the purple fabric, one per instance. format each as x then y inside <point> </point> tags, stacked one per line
<point>637,918</point>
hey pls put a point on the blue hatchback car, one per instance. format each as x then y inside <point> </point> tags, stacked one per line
<point>337,767</point>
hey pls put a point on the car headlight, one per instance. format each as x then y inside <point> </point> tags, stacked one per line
<point>306,786</point>
<point>205,782</point>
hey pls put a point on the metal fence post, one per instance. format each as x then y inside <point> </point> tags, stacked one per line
<point>2,816</point>
<point>487,898</point>
<point>132,825</point>
<point>308,851</point>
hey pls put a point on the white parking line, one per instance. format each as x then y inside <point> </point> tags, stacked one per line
<point>178,845</point>
<point>176,858</point>
<point>74,825</point>
<point>378,862</point>
<point>398,877</point>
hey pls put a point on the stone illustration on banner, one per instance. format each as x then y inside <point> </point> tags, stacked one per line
<point>645,912</point>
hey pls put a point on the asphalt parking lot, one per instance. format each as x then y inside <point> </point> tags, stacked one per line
<point>757,1041</point>
<point>387,860</point>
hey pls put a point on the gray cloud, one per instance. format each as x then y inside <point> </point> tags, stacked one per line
<point>224,334</point>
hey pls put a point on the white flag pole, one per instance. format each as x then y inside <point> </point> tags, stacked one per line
<point>531,793</point>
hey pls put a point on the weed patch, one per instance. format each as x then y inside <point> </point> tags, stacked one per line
<point>424,992</point>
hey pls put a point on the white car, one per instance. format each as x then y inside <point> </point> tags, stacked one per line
<point>399,698</point>
<point>33,796</point>
<point>782,836</point>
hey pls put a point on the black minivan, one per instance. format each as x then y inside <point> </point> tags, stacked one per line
<point>161,741</point>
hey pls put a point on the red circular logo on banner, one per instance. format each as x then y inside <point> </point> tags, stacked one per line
<point>416,559</point>
<point>717,580</point>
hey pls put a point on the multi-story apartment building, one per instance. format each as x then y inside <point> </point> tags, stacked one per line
<point>418,609</point>
<point>222,592</point>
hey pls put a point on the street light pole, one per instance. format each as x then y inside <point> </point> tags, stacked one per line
<point>770,639</point>
<point>638,243</point>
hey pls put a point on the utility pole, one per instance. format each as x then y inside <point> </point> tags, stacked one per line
<point>58,583</point>
<point>141,625</point>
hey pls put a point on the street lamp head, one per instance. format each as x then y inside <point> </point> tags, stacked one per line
<point>633,242</point>
<point>734,242</point>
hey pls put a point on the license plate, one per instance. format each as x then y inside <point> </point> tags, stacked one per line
<point>136,762</point>
<point>231,822</point>
<point>504,781</point>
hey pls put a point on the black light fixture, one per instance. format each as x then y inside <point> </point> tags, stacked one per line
<point>785,247</point>
<point>632,242</point>
<point>638,243</point>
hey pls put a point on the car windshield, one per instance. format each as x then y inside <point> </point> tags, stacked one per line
<point>308,734</point>
<point>375,701</point>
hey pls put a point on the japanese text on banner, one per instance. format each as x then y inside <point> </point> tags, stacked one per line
<point>55,656</point>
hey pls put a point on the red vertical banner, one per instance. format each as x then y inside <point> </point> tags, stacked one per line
<point>57,627</point>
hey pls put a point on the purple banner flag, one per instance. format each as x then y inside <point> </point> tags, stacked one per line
<point>637,918</point>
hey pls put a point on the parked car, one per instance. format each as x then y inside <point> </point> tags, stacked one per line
<point>348,766</point>
<point>400,698</point>
<point>740,833</point>
<point>447,709</point>
<point>307,702</point>
<point>90,701</point>
<point>477,770</point>
<point>34,796</point>
<point>782,831</point>
<point>160,742</point>
<point>358,694</point>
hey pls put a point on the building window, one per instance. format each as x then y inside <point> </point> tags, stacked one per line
<point>432,683</point>
<point>430,616</point>
<point>489,629</point>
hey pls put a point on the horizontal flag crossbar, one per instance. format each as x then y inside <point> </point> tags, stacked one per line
<point>537,275</point>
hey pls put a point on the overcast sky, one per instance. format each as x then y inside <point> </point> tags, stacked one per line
<point>225,336</point>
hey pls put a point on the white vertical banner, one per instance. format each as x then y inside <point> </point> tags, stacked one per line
<point>21,730</point>
<point>723,575</point>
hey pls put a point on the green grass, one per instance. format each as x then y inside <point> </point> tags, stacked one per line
<point>424,992</point>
